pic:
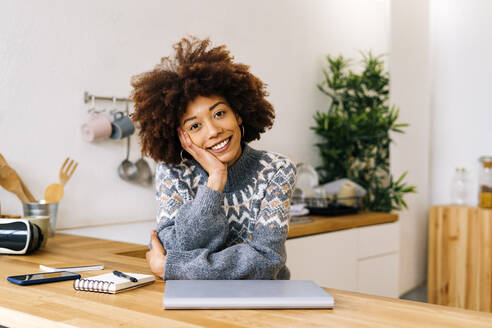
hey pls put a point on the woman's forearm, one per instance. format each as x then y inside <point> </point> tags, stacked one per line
<point>263,258</point>
<point>197,224</point>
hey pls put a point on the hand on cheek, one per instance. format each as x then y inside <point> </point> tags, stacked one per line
<point>206,158</point>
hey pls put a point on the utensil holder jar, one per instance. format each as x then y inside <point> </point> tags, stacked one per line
<point>43,209</point>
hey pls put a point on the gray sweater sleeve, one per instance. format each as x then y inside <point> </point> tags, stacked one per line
<point>261,256</point>
<point>185,222</point>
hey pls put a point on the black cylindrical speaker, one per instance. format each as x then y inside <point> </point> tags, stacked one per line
<point>19,236</point>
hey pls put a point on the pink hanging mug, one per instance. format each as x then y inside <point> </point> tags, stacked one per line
<point>97,127</point>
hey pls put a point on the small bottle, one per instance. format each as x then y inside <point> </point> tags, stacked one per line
<point>485,182</point>
<point>459,187</point>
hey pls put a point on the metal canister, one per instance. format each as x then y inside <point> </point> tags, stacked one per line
<point>485,182</point>
<point>43,209</point>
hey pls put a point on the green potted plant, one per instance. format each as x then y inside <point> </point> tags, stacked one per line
<point>355,132</point>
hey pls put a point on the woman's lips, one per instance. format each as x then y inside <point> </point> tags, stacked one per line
<point>223,148</point>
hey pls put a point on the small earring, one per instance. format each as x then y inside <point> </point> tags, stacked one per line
<point>242,131</point>
<point>181,155</point>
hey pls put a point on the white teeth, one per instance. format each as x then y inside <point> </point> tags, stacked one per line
<point>221,145</point>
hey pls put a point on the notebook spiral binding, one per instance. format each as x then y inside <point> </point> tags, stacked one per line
<point>89,285</point>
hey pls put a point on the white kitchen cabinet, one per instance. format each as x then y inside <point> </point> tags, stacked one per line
<point>379,239</point>
<point>328,258</point>
<point>362,259</point>
<point>378,275</point>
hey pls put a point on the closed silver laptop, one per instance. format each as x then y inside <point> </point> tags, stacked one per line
<point>245,294</point>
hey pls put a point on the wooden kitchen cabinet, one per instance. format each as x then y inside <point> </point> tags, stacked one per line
<point>364,259</point>
<point>460,257</point>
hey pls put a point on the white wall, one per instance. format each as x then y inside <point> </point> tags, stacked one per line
<point>440,78</point>
<point>51,53</point>
<point>410,90</point>
<point>461,34</point>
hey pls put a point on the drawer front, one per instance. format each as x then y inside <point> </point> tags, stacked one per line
<point>379,276</point>
<point>329,259</point>
<point>378,240</point>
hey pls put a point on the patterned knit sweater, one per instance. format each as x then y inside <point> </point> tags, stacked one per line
<point>238,233</point>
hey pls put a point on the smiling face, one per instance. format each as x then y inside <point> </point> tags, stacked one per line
<point>213,125</point>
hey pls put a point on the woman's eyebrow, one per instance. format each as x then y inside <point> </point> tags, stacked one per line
<point>189,119</point>
<point>211,107</point>
<point>216,104</point>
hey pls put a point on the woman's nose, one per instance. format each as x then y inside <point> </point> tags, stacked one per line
<point>214,130</point>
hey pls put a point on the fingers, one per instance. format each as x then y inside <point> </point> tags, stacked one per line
<point>181,136</point>
<point>186,142</point>
<point>184,138</point>
<point>205,157</point>
<point>195,151</point>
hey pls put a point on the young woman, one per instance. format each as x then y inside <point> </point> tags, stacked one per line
<point>223,206</point>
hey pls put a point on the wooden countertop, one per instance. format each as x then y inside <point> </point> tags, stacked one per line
<point>58,305</point>
<point>322,224</point>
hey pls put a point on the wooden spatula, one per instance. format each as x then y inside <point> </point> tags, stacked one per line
<point>10,180</point>
<point>54,192</point>
<point>27,192</point>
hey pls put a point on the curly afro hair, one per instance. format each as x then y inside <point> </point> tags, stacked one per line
<point>161,95</point>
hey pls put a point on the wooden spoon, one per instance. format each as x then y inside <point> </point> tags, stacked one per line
<point>10,181</point>
<point>27,192</point>
<point>8,173</point>
<point>54,192</point>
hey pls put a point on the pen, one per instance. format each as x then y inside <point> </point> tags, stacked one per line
<point>123,275</point>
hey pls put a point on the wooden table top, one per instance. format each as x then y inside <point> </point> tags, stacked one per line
<point>322,224</point>
<point>58,305</point>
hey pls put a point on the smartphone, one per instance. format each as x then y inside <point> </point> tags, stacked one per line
<point>41,278</point>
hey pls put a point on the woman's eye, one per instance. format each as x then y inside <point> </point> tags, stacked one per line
<point>194,126</point>
<point>220,113</point>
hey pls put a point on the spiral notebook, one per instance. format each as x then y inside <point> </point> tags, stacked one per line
<point>111,284</point>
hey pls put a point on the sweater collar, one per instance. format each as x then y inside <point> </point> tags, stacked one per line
<point>240,173</point>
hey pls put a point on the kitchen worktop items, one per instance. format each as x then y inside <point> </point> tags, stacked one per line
<point>42,208</point>
<point>10,180</point>
<point>329,206</point>
<point>485,182</point>
<point>54,192</point>
<point>43,222</point>
<point>338,197</point>
<point>306,180</point>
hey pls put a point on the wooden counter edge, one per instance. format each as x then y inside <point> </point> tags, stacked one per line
<point>319,224</point>
<point>329,224</point>
<point>352,308</point>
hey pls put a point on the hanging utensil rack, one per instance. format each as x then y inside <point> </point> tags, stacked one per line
<point>88,97</point>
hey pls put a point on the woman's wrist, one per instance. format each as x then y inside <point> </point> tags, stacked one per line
<point>217,181</point>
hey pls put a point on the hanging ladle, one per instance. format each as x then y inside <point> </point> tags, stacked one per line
<point>127,170</point>
<point>144,173</point>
